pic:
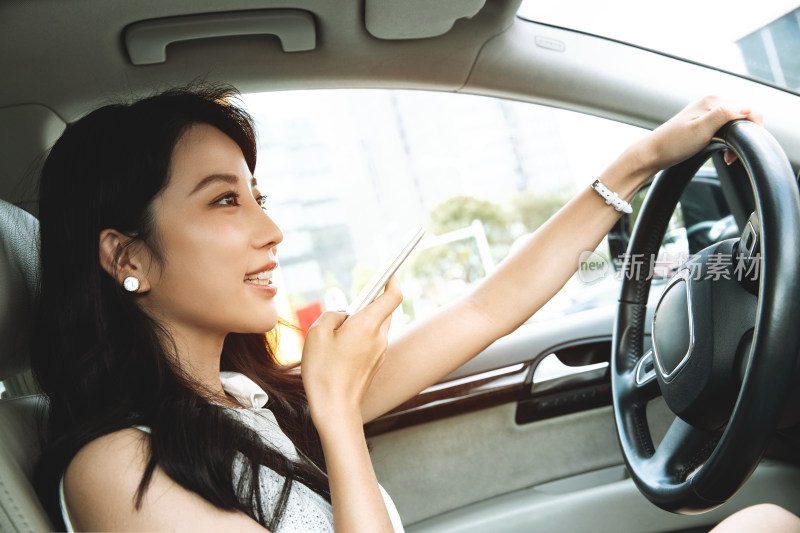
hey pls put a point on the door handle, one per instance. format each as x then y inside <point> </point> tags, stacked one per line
<point>551,374</point>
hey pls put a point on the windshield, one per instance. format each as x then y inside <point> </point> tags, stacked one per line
<point>755,39</point>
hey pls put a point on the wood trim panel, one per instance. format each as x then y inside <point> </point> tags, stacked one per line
<point>459,396</point>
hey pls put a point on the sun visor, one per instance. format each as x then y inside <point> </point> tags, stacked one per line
<point>416,19</point>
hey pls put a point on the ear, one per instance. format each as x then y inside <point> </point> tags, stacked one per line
<point>122,261</point>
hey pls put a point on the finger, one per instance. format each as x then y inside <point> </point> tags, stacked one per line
<point>387,302</point>
<point>384,329</point>
<point>330,320</point>
<point>728,113</point>
<point>751,115</point>
<point>392,289</point>
<point>756,116</point>
<point>724,113</point>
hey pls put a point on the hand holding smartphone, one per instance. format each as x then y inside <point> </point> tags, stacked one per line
<point>371,290</point>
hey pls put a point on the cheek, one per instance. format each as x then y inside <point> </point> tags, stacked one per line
<point>202,281</point>
<point>203,266</point>
<point>212,247</point>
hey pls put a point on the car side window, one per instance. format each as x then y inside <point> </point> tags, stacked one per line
<point>349,172</point>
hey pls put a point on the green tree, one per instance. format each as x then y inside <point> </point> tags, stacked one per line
<point>459,212</point>
<point>438,268</point>
<point>446,271</point>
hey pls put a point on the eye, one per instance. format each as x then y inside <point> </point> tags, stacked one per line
<point>231,198</point>
<point>262,201</point>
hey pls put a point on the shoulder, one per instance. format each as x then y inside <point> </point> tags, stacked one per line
<point>118,458</point>
<point>122,452</point>
<point>104,475</point>
<point>100,487</point>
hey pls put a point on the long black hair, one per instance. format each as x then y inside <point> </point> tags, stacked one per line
<point>103,363</point>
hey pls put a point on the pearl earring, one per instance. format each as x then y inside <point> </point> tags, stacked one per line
<point>131,284</point>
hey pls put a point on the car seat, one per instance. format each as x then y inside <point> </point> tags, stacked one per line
<point>20,508</point>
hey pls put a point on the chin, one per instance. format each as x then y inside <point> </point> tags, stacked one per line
<point>263,326</point>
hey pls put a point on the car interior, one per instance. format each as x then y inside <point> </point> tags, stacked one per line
<point>526,436</point>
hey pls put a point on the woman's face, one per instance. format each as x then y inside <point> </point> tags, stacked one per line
<point>218,244</point>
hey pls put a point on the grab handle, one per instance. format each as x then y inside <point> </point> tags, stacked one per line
<point>147,40</point>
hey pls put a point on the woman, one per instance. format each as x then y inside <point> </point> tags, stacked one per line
<point>168,409</point>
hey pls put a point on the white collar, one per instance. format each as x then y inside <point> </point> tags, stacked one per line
<point>244,389</point>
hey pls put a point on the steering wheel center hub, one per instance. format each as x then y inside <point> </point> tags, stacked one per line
<point>698,345</point>
<point>673,327</point>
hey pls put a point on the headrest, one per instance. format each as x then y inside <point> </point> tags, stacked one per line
<point>19,265</point>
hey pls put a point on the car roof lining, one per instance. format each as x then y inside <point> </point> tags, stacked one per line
<point>487,53</point>
<point>88,58</point>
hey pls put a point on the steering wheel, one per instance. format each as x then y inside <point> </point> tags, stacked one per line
<point>724,334</point>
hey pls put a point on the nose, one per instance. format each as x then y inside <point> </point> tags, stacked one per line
<point>266,234</point>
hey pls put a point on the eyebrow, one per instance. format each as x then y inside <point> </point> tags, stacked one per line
<point>224,178</point>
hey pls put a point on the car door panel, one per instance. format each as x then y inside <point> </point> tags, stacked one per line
<point>483,415</point>
<point>607,507</point>
<point>439,466</point>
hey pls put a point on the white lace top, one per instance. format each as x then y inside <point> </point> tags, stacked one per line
<point>306,511</point>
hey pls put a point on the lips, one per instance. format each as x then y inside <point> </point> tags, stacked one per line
<point>262,277</point>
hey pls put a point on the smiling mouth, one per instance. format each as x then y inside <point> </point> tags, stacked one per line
<point>262,278</point>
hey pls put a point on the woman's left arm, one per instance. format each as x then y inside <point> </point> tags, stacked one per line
<point>528,278</point>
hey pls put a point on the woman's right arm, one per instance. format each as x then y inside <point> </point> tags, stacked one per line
<point>339,361</point>
<point>340,358</point>
<point>100,485</point>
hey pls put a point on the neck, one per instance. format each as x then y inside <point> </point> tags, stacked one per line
<point>198,357</point>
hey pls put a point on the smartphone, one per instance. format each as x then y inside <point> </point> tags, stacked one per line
<point>379,280</point>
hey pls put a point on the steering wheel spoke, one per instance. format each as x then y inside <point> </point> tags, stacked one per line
<point>644,376</point>
<point>683,449</point>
